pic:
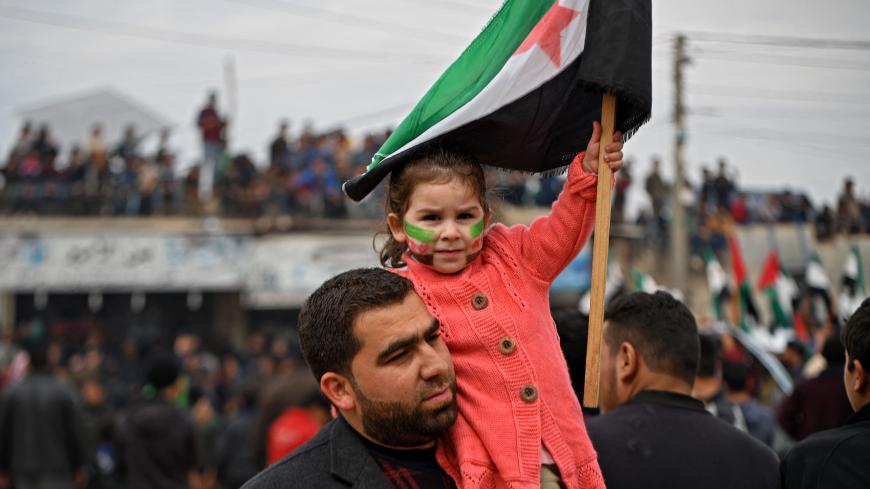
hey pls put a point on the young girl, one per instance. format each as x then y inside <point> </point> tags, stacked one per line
<point>519,423</point>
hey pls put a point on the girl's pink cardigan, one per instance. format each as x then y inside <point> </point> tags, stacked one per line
<point>514,390</point>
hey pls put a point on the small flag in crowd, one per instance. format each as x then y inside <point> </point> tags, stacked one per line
<point>816,276</point>
<point>717,282</point>
<point>643,282</point>
<point>780,289</point>
<point>524,93</point>
<point>747,307</point>
<point>853,292</point>
<point>819,285</point>
<point>614,284</point>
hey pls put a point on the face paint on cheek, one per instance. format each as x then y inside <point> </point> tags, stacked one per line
<point>420,243</point>
<point>419,248</point>
<point>476,246</point>
<point>424,259</point>
<point>420,235</point>
<point>477,228</point>
<point>477,235</point>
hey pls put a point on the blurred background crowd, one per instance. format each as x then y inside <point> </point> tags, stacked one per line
<point>252,405</point>
<point>305,170</point>
<point>773,371</point>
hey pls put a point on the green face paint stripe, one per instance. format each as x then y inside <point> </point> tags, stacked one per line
<point>477,229</point>
<point>419,234</point>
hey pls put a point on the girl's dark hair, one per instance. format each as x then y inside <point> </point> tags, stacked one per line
<point>438,166</point>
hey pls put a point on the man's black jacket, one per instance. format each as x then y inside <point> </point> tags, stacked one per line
<point>334,458</point>
<point>832,459</point>
<point>665,439</point>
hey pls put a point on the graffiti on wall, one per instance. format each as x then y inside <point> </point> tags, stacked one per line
<point>271,271</point>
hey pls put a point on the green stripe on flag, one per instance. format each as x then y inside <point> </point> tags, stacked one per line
<point>780,318</point>
<point>481,62</point>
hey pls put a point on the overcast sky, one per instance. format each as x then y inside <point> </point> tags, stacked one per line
<point>796,117</point>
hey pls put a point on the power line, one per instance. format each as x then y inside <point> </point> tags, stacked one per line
<point>774,51</point>
<point>203,40</point>
<point>790,146</point>
<point>778,94</point>
<point>375,114</point>
<point>457,5</point>
<point>784,60</point>
<point>790,41</point>
<point>828,139</point>
<point>790,113</point>
<point>330,15</point>
<point>294,79</point>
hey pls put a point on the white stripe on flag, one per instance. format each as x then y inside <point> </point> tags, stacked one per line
<point>817,277</point>
<point>520,75</point>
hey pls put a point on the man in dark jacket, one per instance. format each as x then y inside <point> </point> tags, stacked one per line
<point>156,439</point>
<point>379,358</point>
<point>236,460</point>
<point>838,458</point>
<point>41,441</point>
<point>652,433</point>
<point>819,403</point>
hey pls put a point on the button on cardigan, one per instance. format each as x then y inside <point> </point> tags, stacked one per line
<point>512,404</point>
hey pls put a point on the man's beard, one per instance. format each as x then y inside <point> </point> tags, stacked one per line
<point>407,424</point>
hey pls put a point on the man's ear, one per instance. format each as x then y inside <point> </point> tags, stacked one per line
<point>338,389</point>
<point>626,362</point>
<point>860,378</point>
<point>397,228</point>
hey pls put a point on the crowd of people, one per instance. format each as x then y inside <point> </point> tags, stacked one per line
<point>231,411</point>
<point>443,369</point>
<point>717,201</point>
<point>303,175</point>
<point>217,416</point>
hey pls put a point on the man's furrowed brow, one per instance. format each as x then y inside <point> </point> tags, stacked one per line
<point>402,343</point>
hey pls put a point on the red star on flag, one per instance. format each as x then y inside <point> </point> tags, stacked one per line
<point>548,32</point>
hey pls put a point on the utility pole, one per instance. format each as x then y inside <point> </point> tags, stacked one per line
<point>232,99</point>
<point>679,234</point>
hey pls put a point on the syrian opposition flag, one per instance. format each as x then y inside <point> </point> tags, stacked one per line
<point>741,280</point>
<point>614,284</point>
<point>780,289</point>
<point>643,282</point>
<point>819,285</point>
<point>717,283</point>
<point>524,94</point>
<point>853,292</point>
<point>853,271</point>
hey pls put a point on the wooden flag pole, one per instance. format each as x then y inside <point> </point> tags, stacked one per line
<point>599,255</point>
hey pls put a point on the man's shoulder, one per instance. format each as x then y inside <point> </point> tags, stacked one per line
<point>837,441</point>
<point>640,419</point>
<point>835,458</point>
<point>42,383</point>
<point>334,457</point>
<point>677,444</point>
<point>310,462</point>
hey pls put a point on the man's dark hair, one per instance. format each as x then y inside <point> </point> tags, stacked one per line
<point>833,351</point>
<point>162,371</point>
<point>37,353</point>
<point>327,317</point>
<point>660,328</point>
<point>856,336</point>
<point>709,363</point>
<point>734,374</point>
